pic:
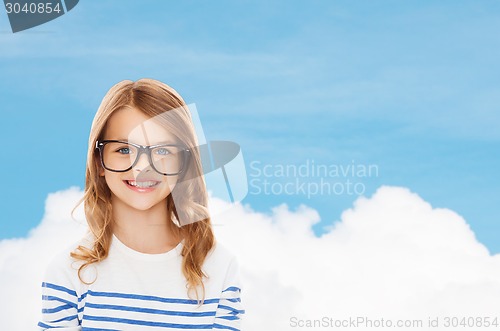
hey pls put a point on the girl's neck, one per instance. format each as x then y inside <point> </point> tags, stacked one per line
<point>146,231</point>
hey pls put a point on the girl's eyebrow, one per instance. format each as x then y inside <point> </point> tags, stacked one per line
<point>165,142</point>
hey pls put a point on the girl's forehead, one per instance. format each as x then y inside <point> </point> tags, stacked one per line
<point>132,125</point>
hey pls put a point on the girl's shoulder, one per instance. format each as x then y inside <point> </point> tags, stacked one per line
<point>220,258</point>
<point>64,267</point>
<point>222,270</point>
<point>220,253</point>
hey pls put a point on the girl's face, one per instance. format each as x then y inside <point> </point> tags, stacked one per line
<point>141,187</point>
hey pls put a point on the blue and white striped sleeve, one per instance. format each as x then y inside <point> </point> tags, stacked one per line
<point>230,309</point>
<point>60,300</point>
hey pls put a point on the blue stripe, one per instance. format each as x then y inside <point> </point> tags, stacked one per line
<point>53,298</point>
<point>233,310</point>
<point>67,318</point>
<point>150,311</point>
<point>232,289</point>
<point>57,309</point>
<point>137,322</point>
<point>229,317</point>
<point>59,288</point>
<point>225,327</point>
<point>232,299</point>
<point>84,295</point>
<point>149,298</point>
<point>43,325</point>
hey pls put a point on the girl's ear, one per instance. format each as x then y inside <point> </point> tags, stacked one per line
<point>99,166</point>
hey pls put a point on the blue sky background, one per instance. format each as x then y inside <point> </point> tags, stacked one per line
<point>411,86</point>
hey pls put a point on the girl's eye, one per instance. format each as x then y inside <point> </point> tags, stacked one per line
<point>162,151</point>
<point>124,150</point>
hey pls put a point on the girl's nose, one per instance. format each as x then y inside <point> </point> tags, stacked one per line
<point>142,164</point>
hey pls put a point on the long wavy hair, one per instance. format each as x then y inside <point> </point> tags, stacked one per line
<point>153,98</point>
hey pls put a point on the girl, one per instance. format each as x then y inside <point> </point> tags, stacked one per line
<point>150,261</point>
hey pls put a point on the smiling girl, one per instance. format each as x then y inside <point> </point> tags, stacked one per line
<point>150,261</point>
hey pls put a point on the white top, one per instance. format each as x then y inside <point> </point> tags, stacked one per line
<point>137,291</point>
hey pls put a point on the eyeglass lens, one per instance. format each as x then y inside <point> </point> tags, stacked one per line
<point>121,156</point>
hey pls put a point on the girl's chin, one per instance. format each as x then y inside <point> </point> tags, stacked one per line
<point>139,203</point>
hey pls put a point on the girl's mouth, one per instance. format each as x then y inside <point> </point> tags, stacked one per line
<point>142,184</point>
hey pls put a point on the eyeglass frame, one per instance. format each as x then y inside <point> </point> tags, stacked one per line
<point>99,145</point>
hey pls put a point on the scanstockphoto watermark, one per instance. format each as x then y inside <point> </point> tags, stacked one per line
<point>429,322</point>
<point>310,178</point>
<point>354,322</point>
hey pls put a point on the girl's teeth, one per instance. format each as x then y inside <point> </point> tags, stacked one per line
<point>142,184</point>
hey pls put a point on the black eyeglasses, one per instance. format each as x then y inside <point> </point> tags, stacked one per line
<point>121,156</point>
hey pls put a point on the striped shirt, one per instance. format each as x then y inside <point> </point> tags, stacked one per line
<point>136,291</point>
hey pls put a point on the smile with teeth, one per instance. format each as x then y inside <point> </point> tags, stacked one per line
<point>143,184</point>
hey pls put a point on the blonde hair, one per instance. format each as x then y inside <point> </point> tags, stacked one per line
<point>152,98</point>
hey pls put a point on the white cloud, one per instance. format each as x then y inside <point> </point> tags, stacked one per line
<point>391,256</point>
<point>23,260</point>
